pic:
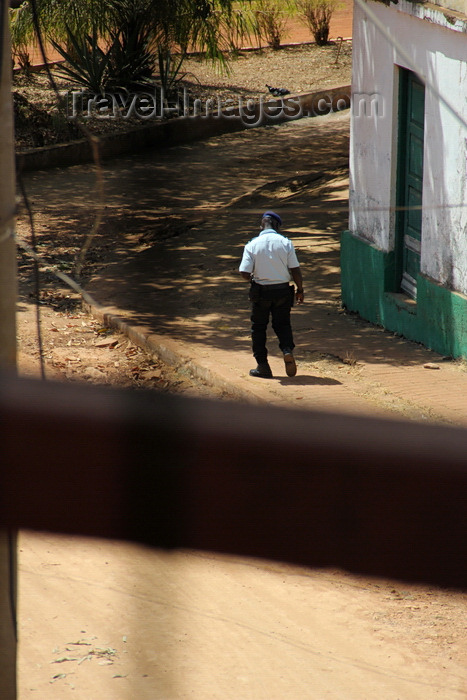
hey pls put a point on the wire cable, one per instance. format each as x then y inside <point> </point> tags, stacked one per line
<point>69,281</point>
<point>93,141</point>
<point>37,289</point>
<point>31,250</point>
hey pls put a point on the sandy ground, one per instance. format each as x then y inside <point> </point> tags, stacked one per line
<point>111,621</point>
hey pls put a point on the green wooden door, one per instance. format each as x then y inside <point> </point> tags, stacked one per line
<point>410,180</point>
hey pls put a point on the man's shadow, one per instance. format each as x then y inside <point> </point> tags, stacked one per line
<point>307,380</point>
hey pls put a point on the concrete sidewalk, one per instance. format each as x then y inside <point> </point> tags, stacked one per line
<point>176,289</point>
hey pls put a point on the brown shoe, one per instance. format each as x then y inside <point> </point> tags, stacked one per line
<point>290,365</point>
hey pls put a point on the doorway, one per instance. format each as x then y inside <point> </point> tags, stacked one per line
<point>409,181</point>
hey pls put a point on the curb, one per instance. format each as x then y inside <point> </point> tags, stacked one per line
<point>186,129</point>
<point>167,350</point>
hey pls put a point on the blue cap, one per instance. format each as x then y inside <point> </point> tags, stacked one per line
<point>273,215</point>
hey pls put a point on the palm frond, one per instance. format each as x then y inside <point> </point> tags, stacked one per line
<point>87,62</point>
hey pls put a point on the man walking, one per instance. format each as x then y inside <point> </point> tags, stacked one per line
<point>269,263</point>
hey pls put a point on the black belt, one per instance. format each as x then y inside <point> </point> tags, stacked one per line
<point>282,285</point>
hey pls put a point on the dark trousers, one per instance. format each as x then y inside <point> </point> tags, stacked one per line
<point>274,303</point>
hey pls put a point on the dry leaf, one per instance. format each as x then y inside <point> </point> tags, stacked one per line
<point>106,342</point>
<point>58,677</point>
<point>156,374</point>
<point>85,658</point>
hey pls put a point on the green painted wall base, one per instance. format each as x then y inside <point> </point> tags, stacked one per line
<point>438,319</point>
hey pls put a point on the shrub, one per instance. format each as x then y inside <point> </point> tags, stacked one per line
<point>271,21</point>
<point>317,15</point>
<point>86,63</point>
<point>125,62</point>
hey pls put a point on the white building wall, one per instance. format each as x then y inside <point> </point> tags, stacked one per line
<point>371,134</point>
<point>440,53</point>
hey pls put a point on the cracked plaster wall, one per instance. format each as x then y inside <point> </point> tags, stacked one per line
<point>440,51</point>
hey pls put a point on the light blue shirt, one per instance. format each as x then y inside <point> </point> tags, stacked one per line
<point>269,258</point>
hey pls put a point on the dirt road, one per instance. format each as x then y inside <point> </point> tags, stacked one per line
<point>111,621</point>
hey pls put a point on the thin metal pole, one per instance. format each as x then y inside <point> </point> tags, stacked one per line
<point>8,281</point>
<point>8,300</point>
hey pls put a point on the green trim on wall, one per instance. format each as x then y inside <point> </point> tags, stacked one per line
<point>438,319</point>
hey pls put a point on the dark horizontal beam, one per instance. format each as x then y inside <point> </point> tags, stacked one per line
<point>371,496</point>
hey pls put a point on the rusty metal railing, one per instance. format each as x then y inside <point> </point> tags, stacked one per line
<point>371,496</point>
